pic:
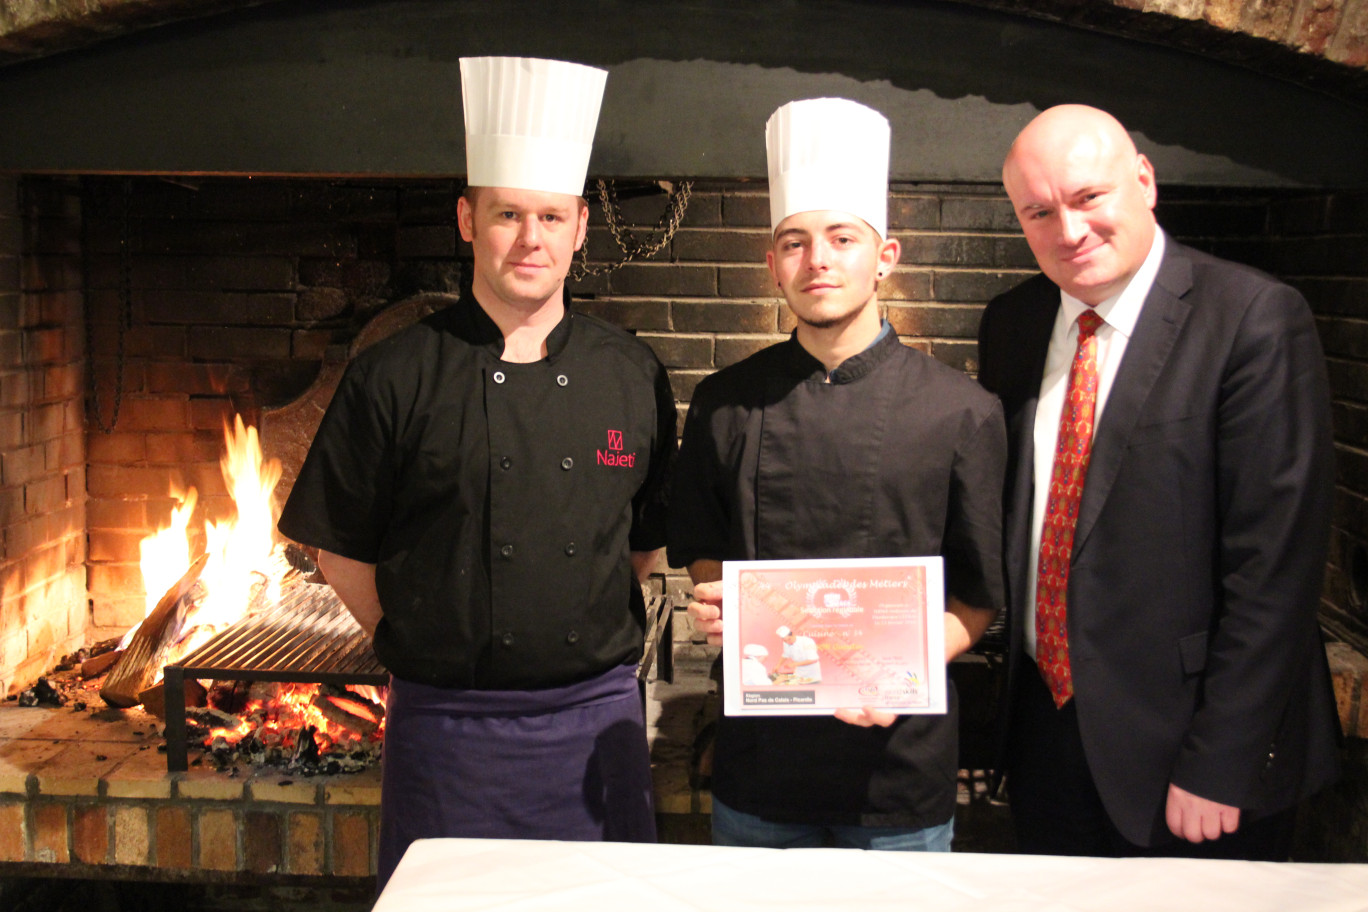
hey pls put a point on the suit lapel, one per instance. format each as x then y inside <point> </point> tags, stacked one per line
<point>1161,319</point>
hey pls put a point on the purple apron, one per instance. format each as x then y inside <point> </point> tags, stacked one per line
<point>566,763</point>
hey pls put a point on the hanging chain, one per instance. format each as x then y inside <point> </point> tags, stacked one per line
<point>125,320</point>
<point>632,247</point>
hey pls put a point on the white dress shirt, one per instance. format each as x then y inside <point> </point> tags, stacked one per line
<point>1119,314</point>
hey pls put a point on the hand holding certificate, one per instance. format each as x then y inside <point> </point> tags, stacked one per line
<point>820,636</point>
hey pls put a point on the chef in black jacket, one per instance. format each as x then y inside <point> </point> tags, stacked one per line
<point>839,443</point>
<point>486,491</point>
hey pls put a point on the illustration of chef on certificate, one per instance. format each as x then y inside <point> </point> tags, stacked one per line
<point>848,633</point>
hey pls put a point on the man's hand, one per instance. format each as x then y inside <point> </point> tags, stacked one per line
<point>866,717</point>
<point>705,611</point>
<point>1195,819</point>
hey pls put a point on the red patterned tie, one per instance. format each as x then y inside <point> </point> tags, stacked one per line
<point>1072,450</point>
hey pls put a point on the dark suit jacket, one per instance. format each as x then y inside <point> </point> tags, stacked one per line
<point>1201,541</point>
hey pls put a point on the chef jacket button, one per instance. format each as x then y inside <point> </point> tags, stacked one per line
<point>570,550</point>
<point>506,550</point>
<point>498,376</point>
<point>505,463</point>
<point>572,638</point>
<point>508,641</point>
<point>561,379</point>
<point>567,463</point>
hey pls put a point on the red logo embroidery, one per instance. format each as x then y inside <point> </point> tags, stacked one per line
<point>613,456</point>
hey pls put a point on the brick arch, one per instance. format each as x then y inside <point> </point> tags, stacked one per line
<point>1334,30</point>
<point>1320,43</point>
<point>1309,33</point>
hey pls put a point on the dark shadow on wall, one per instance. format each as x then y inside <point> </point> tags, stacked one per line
<point>373,87</point>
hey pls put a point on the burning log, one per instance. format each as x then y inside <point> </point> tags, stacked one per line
<point>143,657</point>
<point>229,696</point>
<point>355,702</point>
<point>352,714</point>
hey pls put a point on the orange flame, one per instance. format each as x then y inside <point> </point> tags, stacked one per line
<point>239,549</point>
<point>165,555</point>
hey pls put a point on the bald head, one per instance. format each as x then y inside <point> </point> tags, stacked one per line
<point>1064,131</point>
<point>1085,199</point>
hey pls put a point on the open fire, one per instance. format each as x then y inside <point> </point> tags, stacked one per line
<point>242,572</point>
<point>305,728</point>
<point>238,552</point>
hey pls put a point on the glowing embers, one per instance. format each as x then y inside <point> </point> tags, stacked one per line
<point>303,728</point>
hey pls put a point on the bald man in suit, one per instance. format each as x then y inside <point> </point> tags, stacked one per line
<point>1169,692</point>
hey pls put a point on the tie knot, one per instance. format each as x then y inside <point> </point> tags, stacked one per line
<point>1088,321</point>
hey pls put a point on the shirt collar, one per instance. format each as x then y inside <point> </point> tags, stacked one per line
<point>559,336</point>
<point>1121,311</point>
<point>473,325</point>
<point>801,363</point>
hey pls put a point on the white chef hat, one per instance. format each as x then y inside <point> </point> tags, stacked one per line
<point>782,632</point>
<point>828,153</point>
<point>529,122</point>
<point>755,651</point>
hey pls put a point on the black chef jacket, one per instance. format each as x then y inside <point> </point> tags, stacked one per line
<point>898,455</point>
<point>499,501</point>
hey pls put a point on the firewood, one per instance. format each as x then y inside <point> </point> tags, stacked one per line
<point>139,666</point>
<point>153,699</point>
<point>93,668</point>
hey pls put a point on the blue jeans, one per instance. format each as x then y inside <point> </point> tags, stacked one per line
<point>731,827</point>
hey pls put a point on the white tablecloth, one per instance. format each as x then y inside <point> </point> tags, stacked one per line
<point>454,875</point>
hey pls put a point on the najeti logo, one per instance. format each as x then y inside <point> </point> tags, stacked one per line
<point>613,456</point>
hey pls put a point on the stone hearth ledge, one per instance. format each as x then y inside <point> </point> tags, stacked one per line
<point>90,792</point>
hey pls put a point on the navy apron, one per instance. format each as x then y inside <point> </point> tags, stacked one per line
<point>568,763</point>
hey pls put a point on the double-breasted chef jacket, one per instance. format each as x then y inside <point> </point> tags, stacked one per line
<point>499,501</point>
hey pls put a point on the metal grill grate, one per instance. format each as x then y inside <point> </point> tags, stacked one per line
<point>307,637</point>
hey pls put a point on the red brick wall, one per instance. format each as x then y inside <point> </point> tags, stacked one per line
<point>42,454</point>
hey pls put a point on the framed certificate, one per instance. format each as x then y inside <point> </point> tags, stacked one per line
<point>809,637</point>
